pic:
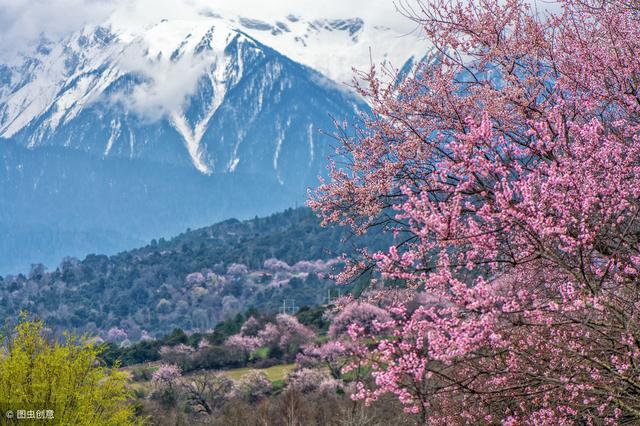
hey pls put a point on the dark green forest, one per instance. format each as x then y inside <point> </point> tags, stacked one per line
<point>192,281</point>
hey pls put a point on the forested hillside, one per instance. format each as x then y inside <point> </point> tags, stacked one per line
<point>192,281</point>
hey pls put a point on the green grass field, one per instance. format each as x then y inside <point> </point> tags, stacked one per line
<point>275,373</point>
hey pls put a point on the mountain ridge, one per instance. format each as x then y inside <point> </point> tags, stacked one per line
<point>90,110</point>
<point>138,132</point>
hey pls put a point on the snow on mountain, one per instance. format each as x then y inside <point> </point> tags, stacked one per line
<point>335,46</point>
<point>331,42</point>
<point>166,63</point>
<point>138,127</point>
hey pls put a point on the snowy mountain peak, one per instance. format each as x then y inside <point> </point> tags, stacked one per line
<point>141,82</point>
<point>147,122</point>
<point>170,58</point>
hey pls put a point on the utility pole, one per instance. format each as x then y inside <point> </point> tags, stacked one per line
<point>329,298</point>
<point>288,307</point>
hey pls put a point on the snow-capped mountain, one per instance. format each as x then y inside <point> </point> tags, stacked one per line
<point>227,98</point>
<point>181,92</point>
<point>207,87</point>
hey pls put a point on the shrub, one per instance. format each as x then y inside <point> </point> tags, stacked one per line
<point>254,386</point>
<point>34,370</point>
<point>365,315</point>
<point>165,380</point>
<point>207,394</point>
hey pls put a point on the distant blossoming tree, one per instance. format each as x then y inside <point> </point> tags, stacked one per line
<point>308,380</point>
<point>333,355</point>
<point>286,333</point>
<point>364,314</point>
<point>195,278</point>
<point>145,336</point>
<point>292,334</point>
<point>254,386</point>
<point>251,327</point>
<point>116,335</point>
<point>307,266</point>
<point>315,265</point>
<point>237,269</point>
<point>179,354</point>
<point>276,265</point>
<point>165,382</point>
<point>269,335</point>
<point>508,169</point>
<point>244,344</point>
<point>166,376</point>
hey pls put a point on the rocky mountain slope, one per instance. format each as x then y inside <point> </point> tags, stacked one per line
<point>132,129</point>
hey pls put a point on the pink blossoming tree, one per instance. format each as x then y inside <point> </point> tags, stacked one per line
<point>364,314</point>
<point>286,333</point>
<point>508,168</point>
<point>333,355</point>
<point>254,386</point>
<point>308,380</point>
<point>243,344</point>
<point>167,375</point>
<point>116,335</point>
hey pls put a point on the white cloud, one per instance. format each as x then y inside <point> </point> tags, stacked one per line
<point>382,12</point>
<point>23,22</point>
<point>168,83</point>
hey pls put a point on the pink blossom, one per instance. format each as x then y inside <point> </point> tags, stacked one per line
<point>237,269</point>
<point>242,343</point>
<point>116,335</point>
<point>308,380</point>
<point>251,327</point>
<point>333,355</point>
<point>254,386</point>
<point>166,375</point>
<point>507,168</point>
<point>195,278</point>
<point>276,265</point>
<point>366,315</point>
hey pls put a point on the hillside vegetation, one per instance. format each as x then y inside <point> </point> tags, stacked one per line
<point>192,281</point>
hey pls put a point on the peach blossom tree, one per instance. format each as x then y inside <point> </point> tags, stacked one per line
<point>508,169</point>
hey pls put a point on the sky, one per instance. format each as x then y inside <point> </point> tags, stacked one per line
<point>23,22</point>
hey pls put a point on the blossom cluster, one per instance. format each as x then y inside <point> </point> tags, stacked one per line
<point>507,168</point>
